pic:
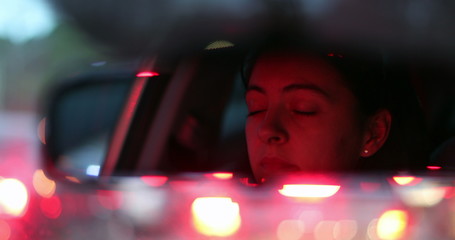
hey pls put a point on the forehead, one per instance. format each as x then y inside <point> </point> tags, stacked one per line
<point>281,68</point>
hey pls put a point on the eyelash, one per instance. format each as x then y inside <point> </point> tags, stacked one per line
<point>255,112</point>
<point>295,111</point>
<point>305,113</point>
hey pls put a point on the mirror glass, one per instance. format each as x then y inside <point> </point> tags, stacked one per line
<point>81,120</point>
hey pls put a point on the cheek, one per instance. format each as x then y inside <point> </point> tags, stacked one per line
<point>330,141</point>
<point>347,142</point>
<point>251,134</point>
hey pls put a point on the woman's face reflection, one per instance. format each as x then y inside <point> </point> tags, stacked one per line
<point>302,117</point>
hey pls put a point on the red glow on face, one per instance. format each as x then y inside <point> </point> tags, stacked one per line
<point>309,190</point>
<point>154,181</point>
<point>147,74</point>
<point>51,207</point>
<point>433,167</point>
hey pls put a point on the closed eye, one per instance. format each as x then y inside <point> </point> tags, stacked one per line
<point>255,112</point>
<point>305,113</point>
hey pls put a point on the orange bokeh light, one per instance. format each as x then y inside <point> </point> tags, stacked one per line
<point>220,175</point>
<point>42,131</point>
<point>392,224</point>
<point>309,190</point>
<point>216,216</point>
<point>44,186</point>
<point>73,179</point>
<point>407,180</point>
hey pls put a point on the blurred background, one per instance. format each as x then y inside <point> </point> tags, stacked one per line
<point>39,45</point>
<point>36,44</point>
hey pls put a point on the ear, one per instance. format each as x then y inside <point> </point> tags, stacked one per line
<point>376,132</point>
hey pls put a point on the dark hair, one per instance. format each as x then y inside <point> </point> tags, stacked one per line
<point>377,84</point>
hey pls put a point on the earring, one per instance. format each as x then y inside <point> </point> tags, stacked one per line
<point>366,151</point>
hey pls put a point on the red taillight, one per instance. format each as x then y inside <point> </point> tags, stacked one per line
<point>216,216</point>
<point>147,74</point>
<point>154,181</point>
<point>309,190</point>
<point>51,207</point>
<point>433,167</point>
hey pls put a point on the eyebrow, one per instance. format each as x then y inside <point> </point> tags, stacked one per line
<point>255,88</point>
<point>311,87</point>
<point>294,87</point>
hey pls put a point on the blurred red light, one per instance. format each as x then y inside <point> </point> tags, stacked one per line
<point>333,55</point>
<point>51,207</point>
<point>246,181</point>
<point>433,167</point>
<point>450,192</point>
<point>5,230</point>
<point>111,200</point>
<point>147,74</point>
<point>154,181</point>
<point>370,186</point>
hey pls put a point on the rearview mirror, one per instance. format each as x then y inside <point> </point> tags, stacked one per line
<point>80,119</point>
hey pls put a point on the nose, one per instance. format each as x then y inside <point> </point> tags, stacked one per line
<point>272,130</point>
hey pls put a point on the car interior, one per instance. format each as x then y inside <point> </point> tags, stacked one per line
<point>199,99</point>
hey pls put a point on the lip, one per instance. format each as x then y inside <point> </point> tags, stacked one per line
<point>275,165</point>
